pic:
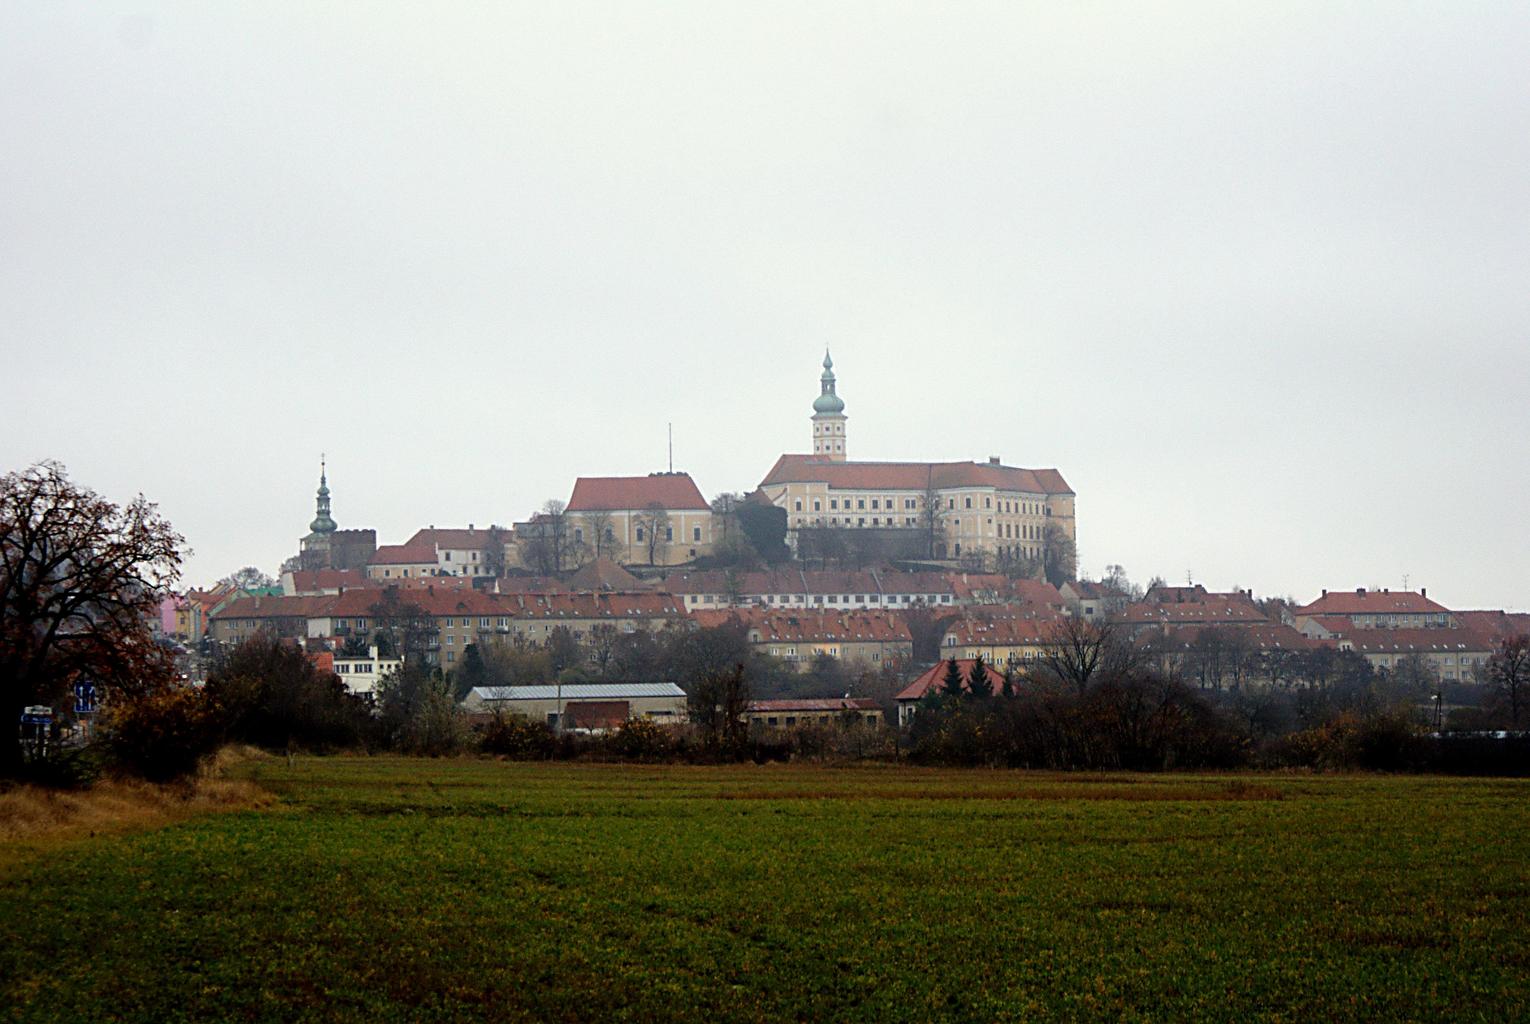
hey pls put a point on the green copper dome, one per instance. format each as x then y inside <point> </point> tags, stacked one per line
<point>828,401</point>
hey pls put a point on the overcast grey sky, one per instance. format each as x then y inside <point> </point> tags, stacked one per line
<point>1253,276</point>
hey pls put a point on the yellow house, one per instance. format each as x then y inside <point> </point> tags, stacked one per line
<point>659,519</point>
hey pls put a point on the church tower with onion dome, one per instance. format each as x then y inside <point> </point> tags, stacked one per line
<point>828,417</point>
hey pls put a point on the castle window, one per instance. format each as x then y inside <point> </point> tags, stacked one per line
<point>799,505</point>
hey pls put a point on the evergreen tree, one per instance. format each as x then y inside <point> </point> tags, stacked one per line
<point>1007,682</point>
<point>951,685</point>
<point>977,679</point>
<point>471,673</point>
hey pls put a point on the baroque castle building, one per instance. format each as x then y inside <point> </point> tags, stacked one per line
<point>939,510</point>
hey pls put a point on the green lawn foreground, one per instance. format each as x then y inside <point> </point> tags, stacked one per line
<point>398,889</point>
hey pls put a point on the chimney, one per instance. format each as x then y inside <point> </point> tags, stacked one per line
<point>1423,591</point>
<point>1360,591</point>
<point>470,527</point>
<point>993,460</point>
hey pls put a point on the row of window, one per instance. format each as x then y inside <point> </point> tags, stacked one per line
<point>1029,508</point>
<point>801,599</point>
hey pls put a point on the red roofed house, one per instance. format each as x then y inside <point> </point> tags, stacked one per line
<point>797,636</point>
<point>930,681</point>
<point>999,640</point>
<point>1455,654</point>
<point>979,508</point>
<point>1377,609</point>
<point>400,561</point>
<point>658,519</point>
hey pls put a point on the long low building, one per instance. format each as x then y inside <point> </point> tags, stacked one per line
<point>455,618</point>
<point>582,705</point>
<point>811,710</point>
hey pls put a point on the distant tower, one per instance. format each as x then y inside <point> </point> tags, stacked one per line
<point>314,549</point>
<point>322,524</point>
<point>828,417</point>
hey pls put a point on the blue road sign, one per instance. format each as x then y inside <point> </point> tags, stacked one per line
<point>84,698</point>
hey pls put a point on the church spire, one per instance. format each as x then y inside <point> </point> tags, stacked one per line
<point>322,522</point>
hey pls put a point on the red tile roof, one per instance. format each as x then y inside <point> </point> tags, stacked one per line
<point>628,493</point>
<point>1417,641</point>
<point>811,625</point>
<point>1002,631</point>
<point>932,678</point>
<point>913,476</point>
<point>456,540</point>
<point>1264,636</point>
<point>1495,626</point>
<point>311,581</point>
<point>809,581</point>
<point>1217,609</point>
<point>413,553</point>
<point>993,588</point>
<point>1372,602</point>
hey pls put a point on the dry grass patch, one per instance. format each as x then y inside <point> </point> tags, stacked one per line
<point>29,814</point>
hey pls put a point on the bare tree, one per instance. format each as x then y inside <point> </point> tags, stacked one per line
<point>1509,670</point>
<point>603,540</point>
<point>494,550</point>
<point>248,578</point>
<point>1078,650</point>
<point>400,627</point>
<point>653,531</point>
<point>717,703</point>
<point>605,640</point>
<point>932,518</point>
<point>80,578</point>
<point>551,548</point>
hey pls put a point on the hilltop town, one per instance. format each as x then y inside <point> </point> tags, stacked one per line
<point>847,580</point>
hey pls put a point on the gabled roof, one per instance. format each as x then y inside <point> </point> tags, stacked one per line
<point>671,491</point>
<point>913,476</point>
<point>456,540</point>
<point>932,677</point>
<point>1372,602</point>
<point>604,574</point>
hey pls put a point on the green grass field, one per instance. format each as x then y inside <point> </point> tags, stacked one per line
<point>394,889</point>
